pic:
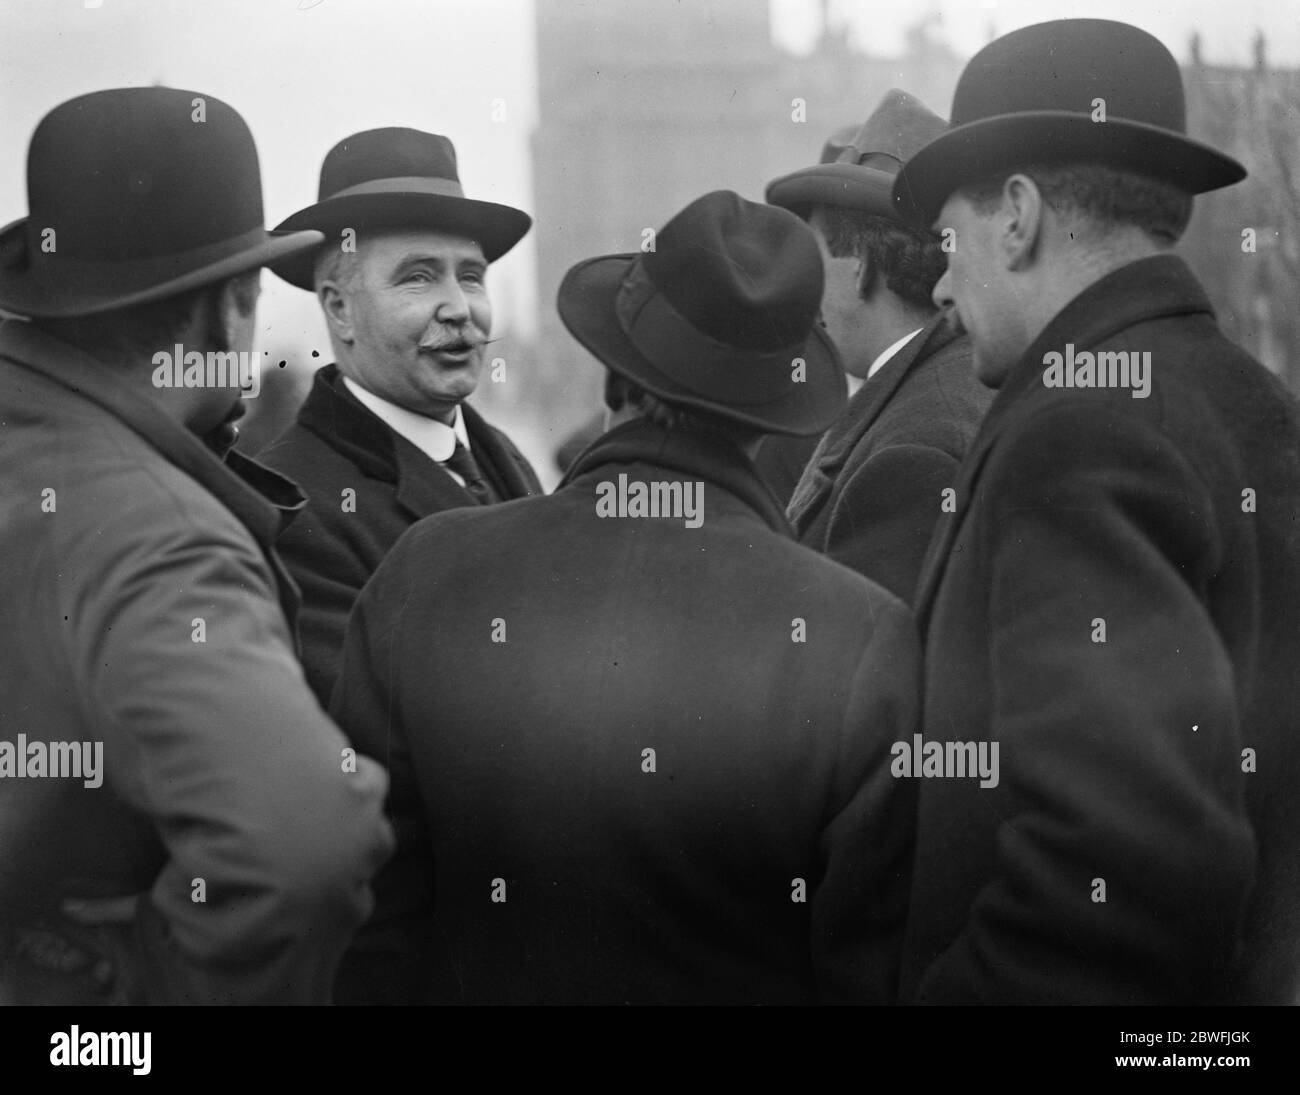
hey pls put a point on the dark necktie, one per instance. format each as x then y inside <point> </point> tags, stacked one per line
<point>462,462</point>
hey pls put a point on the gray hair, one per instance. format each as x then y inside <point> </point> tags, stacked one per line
<point>336,265</point>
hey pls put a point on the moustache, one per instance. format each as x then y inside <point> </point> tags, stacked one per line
<point>470,338</point>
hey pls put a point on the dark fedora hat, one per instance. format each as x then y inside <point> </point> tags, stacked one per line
<point>863,172</point>
<point>399,178</point>
<point>716,315</point>
<point>1031,97</point>
<point>136,194</point>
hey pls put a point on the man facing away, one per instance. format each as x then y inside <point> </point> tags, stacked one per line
<point>182,823</point>
<point>881,479</point>
<point>1115,608</point>
<point>639,738</point>
<point>385,436</point>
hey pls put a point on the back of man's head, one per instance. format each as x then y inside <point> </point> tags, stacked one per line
<point>128,336</point>
<point>625,398</point>
<point>900,258</point>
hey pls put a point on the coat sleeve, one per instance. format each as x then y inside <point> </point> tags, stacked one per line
<point>860,904</point>
<point>392,959</point>
<point>1123,852</point>
<point>270,834</point>
<point>885,514</point>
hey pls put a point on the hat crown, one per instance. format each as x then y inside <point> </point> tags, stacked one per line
<point>899,127</point>
<point>1065,65</point>
<point>140,173</point>
<point>838,143</point>
<point>393,152</point>
<point>745,274</point>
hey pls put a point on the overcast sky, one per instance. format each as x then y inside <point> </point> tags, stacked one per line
<point>305,73</point>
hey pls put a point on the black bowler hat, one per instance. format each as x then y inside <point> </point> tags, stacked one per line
<point>862,173</point>
<point>716,316</point>
<point>398,178</point>
<point>136,194</point>
<point>1030,97</point>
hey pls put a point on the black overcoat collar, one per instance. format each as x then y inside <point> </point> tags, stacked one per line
<point>423,487</point>
<point>845,433</point>
<point>687,452</point>
<point>1157,287</point>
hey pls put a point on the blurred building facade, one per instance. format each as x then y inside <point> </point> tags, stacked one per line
<point>645,106</point>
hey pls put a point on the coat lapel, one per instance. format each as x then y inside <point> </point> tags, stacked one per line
<point>818,480</point>
<point>422,487</point>
<point>513,476</point>
<point>1150,288</point>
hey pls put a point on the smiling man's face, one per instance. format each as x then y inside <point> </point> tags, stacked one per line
<point>415,316</point>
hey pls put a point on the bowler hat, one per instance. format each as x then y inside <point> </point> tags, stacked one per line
<point>1072,90</point>
<point>136,194</point>
<point>398,178</point>
<point>862,174</point>
<point>721,315</point>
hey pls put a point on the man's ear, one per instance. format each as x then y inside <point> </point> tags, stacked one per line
<point>1021,220</point>
<point>236,304</point>
<point>866,278</point>
<point>335,304</point>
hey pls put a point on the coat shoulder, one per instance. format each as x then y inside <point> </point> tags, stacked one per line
<point>939,404</point>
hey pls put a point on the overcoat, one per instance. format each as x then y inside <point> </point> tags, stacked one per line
<point>872,494</point>
<point>781,461</point>
<point>365,486</point>
<point>632,760</point>
<point>1118,608</point>
<point>144,624</point>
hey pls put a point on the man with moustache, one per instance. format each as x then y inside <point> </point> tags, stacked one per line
<point>1115,605</point>
<point>643,756</point>
<point>880,480</point>
<point>385,437</point>
<point>221,847</point>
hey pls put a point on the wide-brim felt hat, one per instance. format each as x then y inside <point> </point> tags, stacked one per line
<point>722,316</point>
<point>135,195</point>
<point>1038,96</point>
<point>860,175</point>
<point>398,178</point>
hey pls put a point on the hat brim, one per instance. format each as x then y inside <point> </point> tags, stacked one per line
<point>970,151</point>
<point>851,186</point>
<point>496,228</point>
<point>21,295</point>
<point>586,303</point>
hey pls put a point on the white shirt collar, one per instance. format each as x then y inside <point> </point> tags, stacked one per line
<point>433,438</point>
<point>879,363</point>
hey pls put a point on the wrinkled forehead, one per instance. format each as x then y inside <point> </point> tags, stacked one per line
<point>398,246</point>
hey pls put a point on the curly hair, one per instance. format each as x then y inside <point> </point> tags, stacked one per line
<point>909,260</point>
